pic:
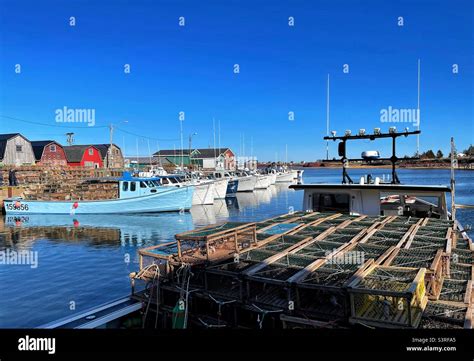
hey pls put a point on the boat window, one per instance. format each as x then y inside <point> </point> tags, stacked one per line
<point>323,202</point>
<point>165,181</point>
<point>125,186</point>
<point>133,186</point>
<point>143,185</point>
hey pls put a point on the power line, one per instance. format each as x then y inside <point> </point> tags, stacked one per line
<point>51,125</point>
<point>146,137</point>
<point>83,127</point>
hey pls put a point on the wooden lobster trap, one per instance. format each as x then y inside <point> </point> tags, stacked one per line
<point>215,242</point>
<point>388,297</point>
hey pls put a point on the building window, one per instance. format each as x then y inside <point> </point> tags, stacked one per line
<point>91,151</point>
<point>19,148</point>
<point>52,148</point>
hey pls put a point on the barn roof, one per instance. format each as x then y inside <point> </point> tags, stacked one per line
<point>103,149</point>
<point>74,153</point>
<point>39,145</point>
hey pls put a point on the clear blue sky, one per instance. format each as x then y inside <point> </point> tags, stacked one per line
<point>282,69</point>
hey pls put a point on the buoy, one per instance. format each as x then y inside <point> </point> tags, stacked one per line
<point>75,205</point>
<point>76,223</point>
<point>17,204</point>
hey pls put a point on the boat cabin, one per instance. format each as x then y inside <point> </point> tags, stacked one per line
<point>130,187</point>
<point>376,199</point>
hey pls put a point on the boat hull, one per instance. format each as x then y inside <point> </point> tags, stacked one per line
<point>285,177</point>
<point>166,199</point>
<point>232,188</point>
<point>203,193</point>
<point>220,188</point>
<point>263,181</point>
<point>273,178</point>
<point>247,184</point>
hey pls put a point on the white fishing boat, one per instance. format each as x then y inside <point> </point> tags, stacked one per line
<point>135,195</point>
<point>285,177</point>
<point>273,176</point>
<point>263,181</point>
<point>246,182</point>
<point>232,182</point>
<point>203,189</point>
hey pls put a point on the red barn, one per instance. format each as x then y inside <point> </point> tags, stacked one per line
<point>83,156</point>
<point>49,152</point>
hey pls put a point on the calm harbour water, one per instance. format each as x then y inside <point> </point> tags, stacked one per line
<point>85,260</point>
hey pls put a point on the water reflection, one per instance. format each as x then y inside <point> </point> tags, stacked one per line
<point>124,230</point>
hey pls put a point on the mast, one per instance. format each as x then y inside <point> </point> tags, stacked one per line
<point>181,133</point>
<point>418,108</point>
<point>214,135</point>
<point>454,163</point>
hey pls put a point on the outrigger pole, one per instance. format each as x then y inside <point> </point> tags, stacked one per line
<point>377,135</point>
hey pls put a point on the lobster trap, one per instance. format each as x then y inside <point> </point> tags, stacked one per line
<point>388,297</point>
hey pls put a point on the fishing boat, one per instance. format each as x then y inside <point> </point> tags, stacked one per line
<point>203,189</point>
<point>135,195</point>
<point>380,255</point>
<point>263,181</point>
<point>232,181</point>
<point>247,182</point>
<point>220,184</point>
<point>284,175</point>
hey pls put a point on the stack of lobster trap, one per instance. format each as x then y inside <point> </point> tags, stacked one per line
<point>310,270</point>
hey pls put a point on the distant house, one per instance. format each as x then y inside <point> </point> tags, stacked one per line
<point>144,162</point>
<point>49,152</point>
<point>15,149</point>
<point>204,158</point>
<point>83,156</point>
<point>215,158</point>
<point>174,157</point>
<point>116,160</point>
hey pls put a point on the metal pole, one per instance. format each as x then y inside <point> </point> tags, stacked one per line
<point>110,157</point>
<point>418,107</point>
<point>327,121</point>
<point>453,181</point>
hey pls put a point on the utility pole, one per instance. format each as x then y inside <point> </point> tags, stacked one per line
<point>110,152</point>
<point>70,139</point>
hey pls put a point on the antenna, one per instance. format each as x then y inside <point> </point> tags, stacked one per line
<point>418,108</point>
<point>327,120</point>
<point>342,149</point>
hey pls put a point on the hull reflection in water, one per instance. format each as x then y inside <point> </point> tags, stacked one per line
<point>127,229</point>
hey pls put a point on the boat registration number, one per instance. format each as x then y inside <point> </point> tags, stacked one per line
<point>13,207</point>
